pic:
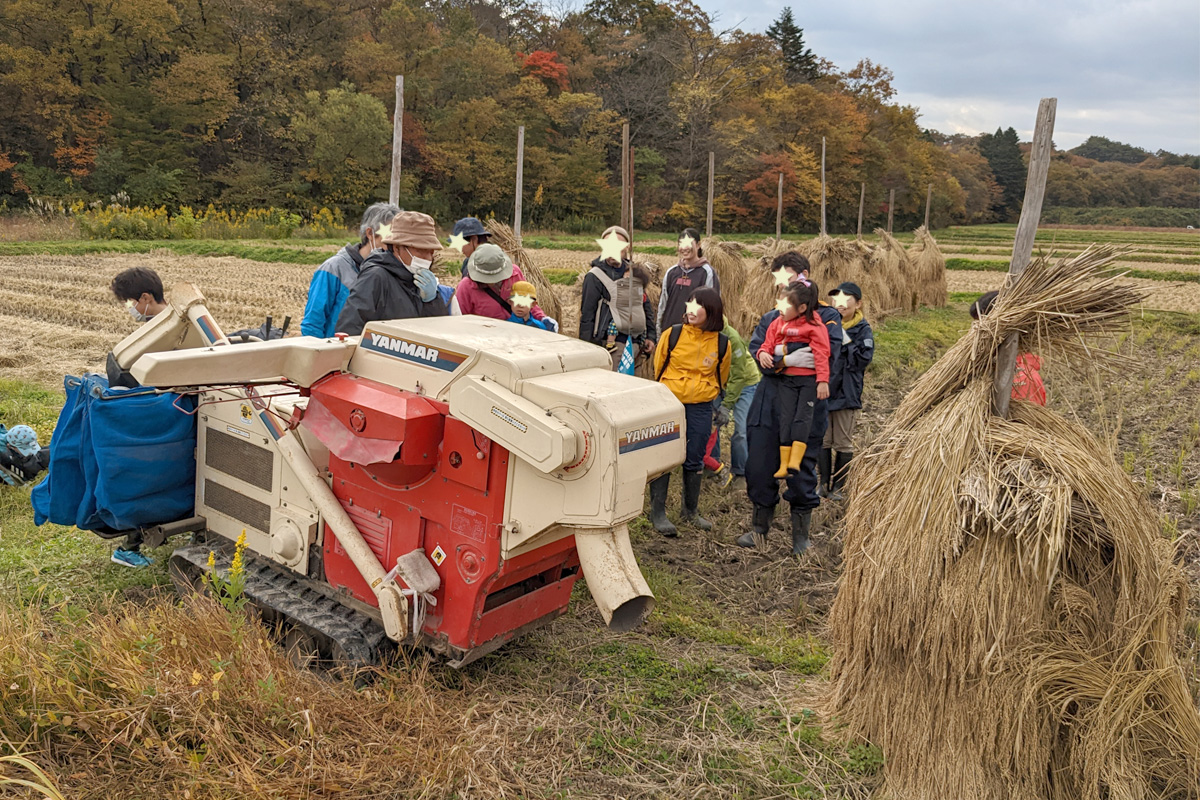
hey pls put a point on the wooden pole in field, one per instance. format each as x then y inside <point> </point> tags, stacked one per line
<point>520,180</point>
<point>822,185</point>
<point>625,176</point>
<point>891,205</point>
<point>632,171</point>
<point>862,198</point>
<point>397,138</point>
<point>1031,213</point>
<point>779,210</point>
<point>712,161</point>
<point>928,201</point>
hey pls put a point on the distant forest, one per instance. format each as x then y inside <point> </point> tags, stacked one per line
<point>288,104</point>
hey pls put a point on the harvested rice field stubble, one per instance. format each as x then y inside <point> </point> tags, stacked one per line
<point>716,697</point>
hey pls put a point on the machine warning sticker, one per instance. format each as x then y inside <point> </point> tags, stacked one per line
<point>468,522</point>
<point>247,414</point>
<point>649,436</point>
<point>414,352</point>
<point>438,555</point>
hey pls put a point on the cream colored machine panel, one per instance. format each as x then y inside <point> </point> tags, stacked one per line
<point>427,355</point>
<point>632,430</point>
<point>243,483</point>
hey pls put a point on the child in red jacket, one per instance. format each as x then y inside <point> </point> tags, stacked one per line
<point>799,387</point>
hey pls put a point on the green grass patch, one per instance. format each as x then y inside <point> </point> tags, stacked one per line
<point>971,264</point>
<point>561,277</point>
<point>682,611</point>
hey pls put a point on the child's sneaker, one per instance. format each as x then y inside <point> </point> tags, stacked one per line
<point>130,558</point>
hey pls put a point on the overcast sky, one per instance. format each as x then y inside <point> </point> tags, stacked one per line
<point>1125,69</point>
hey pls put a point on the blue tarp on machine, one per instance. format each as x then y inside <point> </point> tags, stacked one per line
<point>119,459</point>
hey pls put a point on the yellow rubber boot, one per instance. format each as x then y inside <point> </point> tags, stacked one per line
<point>784,452</point>
<point>796,456</point>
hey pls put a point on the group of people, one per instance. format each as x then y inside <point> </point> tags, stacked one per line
<point>793,392</point>
<point>388,274</point>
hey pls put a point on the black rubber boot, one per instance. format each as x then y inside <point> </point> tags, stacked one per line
<point>841,469</point>
<point>761,523</point>
<point>658,506</point>
<point>824,471</point>
<point>801,521</point>
<point>691,500</point>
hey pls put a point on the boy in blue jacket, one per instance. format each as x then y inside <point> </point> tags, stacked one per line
<point>522,301</point>
<point>845,402</point>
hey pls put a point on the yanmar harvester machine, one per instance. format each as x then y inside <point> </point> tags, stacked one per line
<point>439,482</point>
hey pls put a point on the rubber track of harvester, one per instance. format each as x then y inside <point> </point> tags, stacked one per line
<point>349,638</point>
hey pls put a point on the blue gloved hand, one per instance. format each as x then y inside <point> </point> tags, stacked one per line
<point>551,324</point>
<point>427,284</point>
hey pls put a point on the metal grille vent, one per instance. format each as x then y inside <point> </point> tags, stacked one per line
<point>237,457</point>
<point>375,530</point>
<point>237,505</point>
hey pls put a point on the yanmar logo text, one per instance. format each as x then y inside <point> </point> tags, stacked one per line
<point>411,351</point>
<point>649,436</point>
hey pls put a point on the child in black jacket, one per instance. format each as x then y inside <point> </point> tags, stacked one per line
<point>846,401</point>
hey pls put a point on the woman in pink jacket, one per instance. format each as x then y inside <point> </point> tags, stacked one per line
<point>488,286</point>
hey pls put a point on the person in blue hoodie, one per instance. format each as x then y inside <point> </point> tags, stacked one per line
<point>332,281</point>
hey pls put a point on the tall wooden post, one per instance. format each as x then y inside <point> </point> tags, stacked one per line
<point>520,180</point>
<point>862,198</point>
<point>928,202</point>
<point>822,185</point>
<point>779,210</point>
<point>712,161</point>
<point>625,220</point>
<point>397,138</point>
<point>632,172</point>
<point>1031,213</point>
<point>891,206</point>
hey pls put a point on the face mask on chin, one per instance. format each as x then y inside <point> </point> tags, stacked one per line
<point>131,307</point>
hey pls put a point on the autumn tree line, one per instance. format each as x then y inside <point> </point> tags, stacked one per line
<point>288,104</point>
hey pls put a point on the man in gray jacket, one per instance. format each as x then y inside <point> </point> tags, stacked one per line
<point>332,281</point>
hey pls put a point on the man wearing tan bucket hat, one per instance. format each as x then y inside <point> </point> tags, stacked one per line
<point>396,282</point>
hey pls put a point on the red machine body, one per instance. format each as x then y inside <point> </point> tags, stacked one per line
<point>443,490</point>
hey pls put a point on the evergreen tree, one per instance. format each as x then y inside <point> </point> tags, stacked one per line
<point>1003,154</point>
<point>1103,149</point>
<point>800,65</point>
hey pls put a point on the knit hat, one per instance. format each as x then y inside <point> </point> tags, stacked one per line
<point>524,294</point>
<point>489,264</point>
<point>411,228</point>
<point>617,229</point>
<point>23,439</point>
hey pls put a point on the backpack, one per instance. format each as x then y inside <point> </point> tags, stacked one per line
<point>722,349</point>
<point>624,301</point>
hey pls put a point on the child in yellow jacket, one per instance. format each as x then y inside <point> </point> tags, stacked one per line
<point>692,360</point>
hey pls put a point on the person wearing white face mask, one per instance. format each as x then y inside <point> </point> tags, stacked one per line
<point>396,281</point>
<point>141,291</point>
